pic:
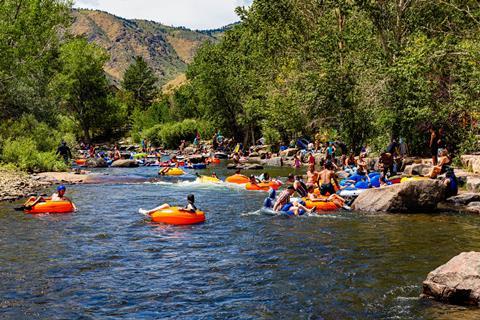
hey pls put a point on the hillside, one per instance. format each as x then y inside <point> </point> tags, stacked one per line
<point>167,50</point>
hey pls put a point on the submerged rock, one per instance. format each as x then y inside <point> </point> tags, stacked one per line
<point>407,197</point>
<point>125,164</point>
<point>457,281</point>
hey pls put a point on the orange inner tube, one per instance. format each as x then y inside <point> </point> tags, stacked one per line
<point>275,185</point>
<point>81,162</point>
<point>177,216</point>
<point>49,206</point>
<point>238,179</point>
<point>321,206</point>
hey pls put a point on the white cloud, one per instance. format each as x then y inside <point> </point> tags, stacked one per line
<point>195,14</point>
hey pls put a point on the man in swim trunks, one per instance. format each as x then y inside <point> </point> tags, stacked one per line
<point>325,179</point>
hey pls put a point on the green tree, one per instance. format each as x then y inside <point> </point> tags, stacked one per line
<point>29,47</point>
<point>81,85</point>
<point>140,80</point>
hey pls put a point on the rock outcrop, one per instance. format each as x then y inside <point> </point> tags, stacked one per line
<point>125,164</point>
<point>15,185</point>
<point>408,197</point>
<point>472,163</point>
<point>289,152</point>
<point>473,207</point>
<point>473,184</point>
<point>457,281</point>
<point>273,162</point>
<point>417,169</point>
<point>464,199</point>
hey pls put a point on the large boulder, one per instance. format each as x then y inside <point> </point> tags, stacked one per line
<point>407,197</point>
<point>472,163</point>
<point>457,281</point>
<point>125,164</point>
<point>96,163</point>
<point>417,169</point>
<point>289,152</point>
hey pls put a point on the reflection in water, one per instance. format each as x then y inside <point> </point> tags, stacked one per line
<point>108,261</point>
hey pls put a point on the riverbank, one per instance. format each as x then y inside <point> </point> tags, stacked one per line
<point>16,184</point>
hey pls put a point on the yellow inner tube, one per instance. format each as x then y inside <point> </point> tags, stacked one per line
<point>174,172</point>
<point>414,178</point>
<point>207,179</point>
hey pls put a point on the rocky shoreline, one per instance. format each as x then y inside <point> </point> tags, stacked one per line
<point>15,185</point>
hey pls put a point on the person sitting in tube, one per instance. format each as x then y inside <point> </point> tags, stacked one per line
<point>190,207</point>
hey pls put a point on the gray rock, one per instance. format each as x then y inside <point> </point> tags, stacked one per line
<point>472,163</point>
<point>473,184</point>
<point>254,166</point>
<point>125,164</point>
<point>407,197</point>
<point>289,152</point>
<point>96,163</point>
<point>273,162</point>
<point>417,169</point>
<point>464,199</point>
<point>457,281</point>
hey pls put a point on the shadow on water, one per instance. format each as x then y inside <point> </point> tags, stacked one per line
<point>108,261</point>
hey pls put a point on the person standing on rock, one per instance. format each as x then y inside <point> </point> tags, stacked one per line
<point>433,145</point>
<point>64,151</point>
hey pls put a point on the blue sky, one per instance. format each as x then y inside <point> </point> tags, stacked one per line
<point>194,14</point>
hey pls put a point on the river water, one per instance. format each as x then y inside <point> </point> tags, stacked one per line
<point>108,262</point>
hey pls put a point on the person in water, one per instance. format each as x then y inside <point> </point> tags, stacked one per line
<point>297,163</point>
<point>312,175</point>
<point>264,177</point>
<point>300,187</point>
<point>339,201</point>
<point>270,200</point>
<point>253,180</point>
<point>190,207</point>
<point>58,196</point>
<point>283,204</point>
<point>325,179</point>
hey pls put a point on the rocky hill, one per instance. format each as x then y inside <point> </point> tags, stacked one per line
<point>167,50</point>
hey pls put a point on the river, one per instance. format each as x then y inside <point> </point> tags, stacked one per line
<point>108,262</point>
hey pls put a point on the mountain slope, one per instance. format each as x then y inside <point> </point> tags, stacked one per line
<point>167,50</point>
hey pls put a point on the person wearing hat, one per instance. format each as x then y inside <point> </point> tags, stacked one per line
<point>58,196</point>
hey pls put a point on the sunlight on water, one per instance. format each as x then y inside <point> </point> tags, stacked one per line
<point>109,261</point>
